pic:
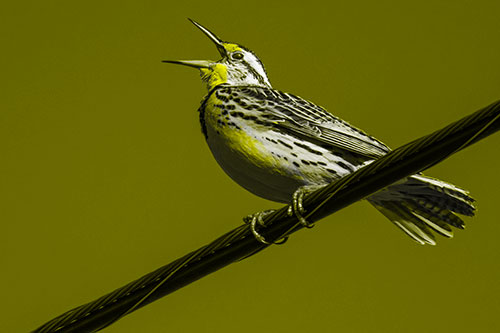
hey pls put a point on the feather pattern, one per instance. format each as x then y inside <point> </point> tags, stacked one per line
<point>329,148</point>
<point>302,118</point>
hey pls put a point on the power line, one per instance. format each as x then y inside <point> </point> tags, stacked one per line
<point>240,243</point>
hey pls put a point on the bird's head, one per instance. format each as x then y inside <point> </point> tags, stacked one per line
<point>238,66</point>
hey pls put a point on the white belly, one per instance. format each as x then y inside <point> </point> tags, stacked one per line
<point>262,177</point>
<point>270,169</point>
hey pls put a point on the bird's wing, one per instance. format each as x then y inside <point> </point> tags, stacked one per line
<point>310,122</point>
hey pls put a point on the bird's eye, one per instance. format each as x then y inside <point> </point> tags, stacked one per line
<point>237,56</point>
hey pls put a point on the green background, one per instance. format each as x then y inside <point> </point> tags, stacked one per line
<point>105,176</point>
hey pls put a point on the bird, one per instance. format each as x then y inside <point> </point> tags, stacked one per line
<point>281,147</point>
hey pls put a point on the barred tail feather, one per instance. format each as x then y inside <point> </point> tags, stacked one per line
<point>422,205</point>
<point>443,194</point>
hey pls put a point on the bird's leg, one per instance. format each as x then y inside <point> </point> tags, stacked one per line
<point>255,218</point>
<point>296,208</point>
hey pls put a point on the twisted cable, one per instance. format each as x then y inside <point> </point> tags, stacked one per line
<point>240,243</point>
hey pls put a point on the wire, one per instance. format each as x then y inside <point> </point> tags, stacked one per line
<point>240,243</point>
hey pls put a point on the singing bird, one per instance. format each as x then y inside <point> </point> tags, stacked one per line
<point>280,147</point>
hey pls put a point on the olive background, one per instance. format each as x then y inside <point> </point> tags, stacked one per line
<point>105,175</point>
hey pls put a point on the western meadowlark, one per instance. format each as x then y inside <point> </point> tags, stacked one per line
<point>280,146</point>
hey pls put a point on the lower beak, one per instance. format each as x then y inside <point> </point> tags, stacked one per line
<point>190,63</point>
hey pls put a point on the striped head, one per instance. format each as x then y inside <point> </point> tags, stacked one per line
<point>238,66</point>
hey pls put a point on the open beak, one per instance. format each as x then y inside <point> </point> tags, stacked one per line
<point>202,63</point>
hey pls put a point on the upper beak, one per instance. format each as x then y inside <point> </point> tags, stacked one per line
<point>218,43</point>
<point>202,63</point>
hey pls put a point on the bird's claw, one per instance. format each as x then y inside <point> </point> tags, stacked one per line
<point>258,218</point>
<point>297,208</point>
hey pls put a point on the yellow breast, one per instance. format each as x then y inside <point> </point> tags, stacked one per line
<point>236,140</point>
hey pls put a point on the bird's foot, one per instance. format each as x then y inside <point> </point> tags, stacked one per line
<point>258,218</point>
<point>296,207</point>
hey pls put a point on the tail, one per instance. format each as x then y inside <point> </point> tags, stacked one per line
<point>420,205</point>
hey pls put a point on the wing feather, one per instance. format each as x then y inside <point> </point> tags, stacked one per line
<point>311,122</point>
